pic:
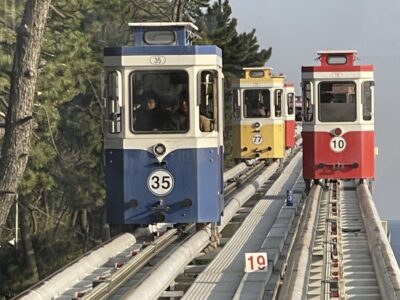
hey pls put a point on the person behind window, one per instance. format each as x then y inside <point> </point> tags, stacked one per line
<point>260,112</point>
<point>182,116</point>
<point>206,123</point>
<point>254,108</point>
<point>148,116</point>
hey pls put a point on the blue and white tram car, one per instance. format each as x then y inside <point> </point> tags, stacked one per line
<point>163,127</point>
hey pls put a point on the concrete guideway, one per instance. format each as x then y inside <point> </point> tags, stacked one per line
<point>264,230</point>
<point>386,266</point>
<point>348,255</point>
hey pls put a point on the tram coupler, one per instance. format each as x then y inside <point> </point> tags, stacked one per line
<point>159,206</point>
<point>263,150</point>
<point>337,166</point>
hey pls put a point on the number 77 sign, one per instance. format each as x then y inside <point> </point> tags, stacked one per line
<point>256,262</point>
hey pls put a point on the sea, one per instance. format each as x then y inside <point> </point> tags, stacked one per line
<point>394,228</point>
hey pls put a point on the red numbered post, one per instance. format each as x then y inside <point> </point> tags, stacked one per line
<point>256,262</point>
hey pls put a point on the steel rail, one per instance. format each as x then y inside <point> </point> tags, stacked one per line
<point>153,286</point>
<point>102,290</point>
<point>58,282</point>
<point>131,267</point>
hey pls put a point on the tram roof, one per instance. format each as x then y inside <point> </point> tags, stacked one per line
<point>336,51</point>
<point>164,24</point>
<point>257,68</point>
<point>337,61</point>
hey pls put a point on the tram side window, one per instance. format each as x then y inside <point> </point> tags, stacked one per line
<point>159,101</point>
<point>290,103</point>
<point>367,94</point>
<point>337,101</point>
<point>278,103</point>
<point>113,102</point>
<point>208,101</point>
<point>257,104</point>
<point>307,104</point>
<point>236,104</point>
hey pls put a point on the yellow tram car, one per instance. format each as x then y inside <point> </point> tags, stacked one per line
<point>258,124</point>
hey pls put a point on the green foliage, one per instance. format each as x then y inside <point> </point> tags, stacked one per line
<point>238,50</point>
<point>12,273</point>
<point>10,15</point>
<point>81,173</point>
<point>15,277</point>
<point>48,249</point>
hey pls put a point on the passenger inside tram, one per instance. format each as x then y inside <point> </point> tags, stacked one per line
<point>181,118</point>
<point>257,103</point>
<point>149,116</point>
<point>168,110</point>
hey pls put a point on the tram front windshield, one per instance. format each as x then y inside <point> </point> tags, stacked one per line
<point>337,101</point>
<point>159,101</point>
<point>257,104</point>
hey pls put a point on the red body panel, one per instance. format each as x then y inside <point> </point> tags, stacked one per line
<point>290,132</point>
<point>357,160</point>
<point>337,68</point>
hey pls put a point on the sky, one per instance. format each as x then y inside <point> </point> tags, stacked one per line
<point>296,30</point>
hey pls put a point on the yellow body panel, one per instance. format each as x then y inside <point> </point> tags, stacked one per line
<point>268,141</point>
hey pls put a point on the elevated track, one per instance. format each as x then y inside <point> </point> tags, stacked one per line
<point>327,245</point>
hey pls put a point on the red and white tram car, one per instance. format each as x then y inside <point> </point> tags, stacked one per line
<point>288,115</point>
<point>338,118</point>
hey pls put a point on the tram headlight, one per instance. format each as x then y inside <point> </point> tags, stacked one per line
<point>337,131</point>
<point>257,125</point>
<point>159,149</point>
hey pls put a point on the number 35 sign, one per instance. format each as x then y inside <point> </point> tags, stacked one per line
<point>256,262</point>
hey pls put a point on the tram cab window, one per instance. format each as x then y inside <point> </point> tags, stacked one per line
<point>308,106</point>
<point>208,105</point>
<point>367,95</point>
<point>235,103</point>
<point>337,101</point>
<point>290,103</point>
<point>159,101</point>
<point>257,104</point>
<point>113,102</point>
<point>278,103</point>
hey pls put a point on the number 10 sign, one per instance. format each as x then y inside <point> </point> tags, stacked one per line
<point>256,262</point>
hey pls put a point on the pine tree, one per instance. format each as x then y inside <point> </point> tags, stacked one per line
<point>10,16</point>
<point>238,50</point>
<point>18,127</point>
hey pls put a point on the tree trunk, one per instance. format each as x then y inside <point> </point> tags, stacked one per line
<point>106,234</point>
<point>74,216</point>
<point>16,144</point>
<point>34,222</point>
<point>47,224</point>
<point>178,10</point>
<point>85,229</point>
<point>29,252</point>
